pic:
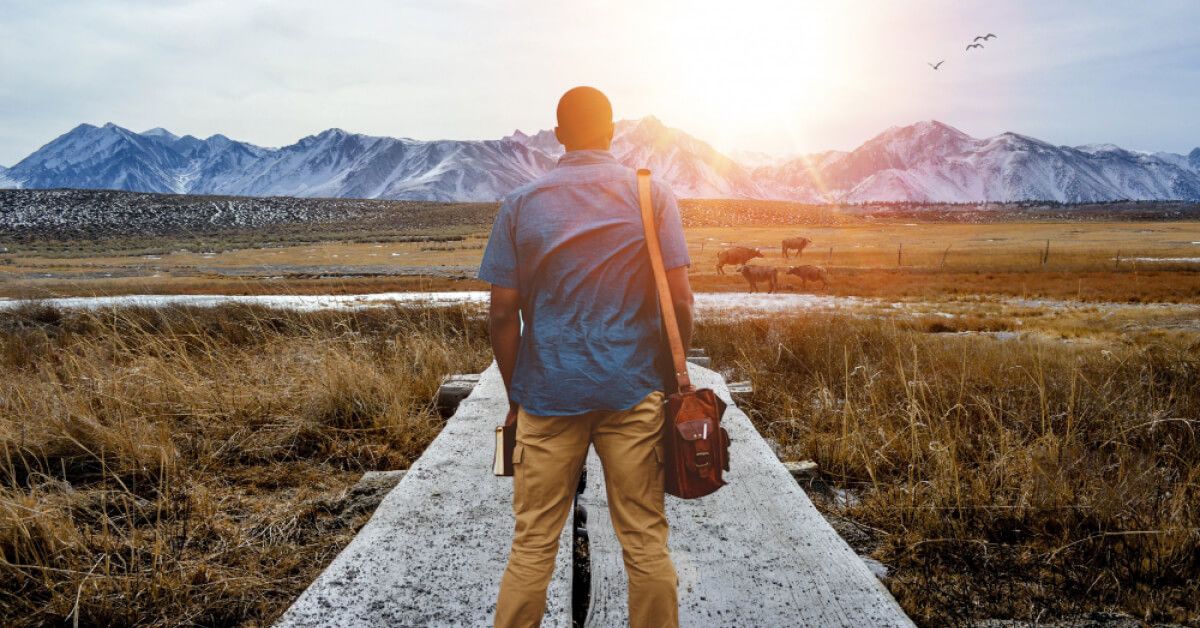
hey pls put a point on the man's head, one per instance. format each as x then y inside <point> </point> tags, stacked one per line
<point>584,120</point>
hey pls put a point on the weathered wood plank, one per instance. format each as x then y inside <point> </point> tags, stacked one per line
<point>756,553</point>
<point>700,360</point>
<point>801,469</point>
<point>434,551</point>
<point>453,390</point>
<point>740,388</point>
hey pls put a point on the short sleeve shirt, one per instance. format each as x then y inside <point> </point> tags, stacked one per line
<point>571,243</point>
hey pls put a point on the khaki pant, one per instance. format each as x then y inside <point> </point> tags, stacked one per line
<point>548,459</point>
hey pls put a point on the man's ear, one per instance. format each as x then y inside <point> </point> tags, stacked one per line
<point>612,130</point>
<point>558,136</point>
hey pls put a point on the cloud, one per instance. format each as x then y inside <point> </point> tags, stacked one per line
<point>271,72</point>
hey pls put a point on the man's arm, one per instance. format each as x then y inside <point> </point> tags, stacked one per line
<point>675,258</point>
<point>682,300</point>
<point>504,328</point>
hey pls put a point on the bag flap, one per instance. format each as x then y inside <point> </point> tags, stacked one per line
<point>721,405</point>
<point>698,429</point>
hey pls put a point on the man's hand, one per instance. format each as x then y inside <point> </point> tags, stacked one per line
<point>504,328</point>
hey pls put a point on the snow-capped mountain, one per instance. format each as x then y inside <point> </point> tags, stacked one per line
<point>934,162</point>
<point>333,163</point>
<point>752,159</point>
<point>112,157</point>
<point>692,167</point>
<point>924,162</point>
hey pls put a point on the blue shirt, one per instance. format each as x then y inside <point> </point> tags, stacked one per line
<point>571,243</point>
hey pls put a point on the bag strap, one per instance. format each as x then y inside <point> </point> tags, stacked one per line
<point>665,303</point>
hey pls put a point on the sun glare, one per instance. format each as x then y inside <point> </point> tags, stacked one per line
<point>760,61</point>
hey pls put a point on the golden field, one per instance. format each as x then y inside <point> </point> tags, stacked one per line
<point>190,465</point>
<point>1030,477</point>
<point>1012,432</point>
<point>1102,261</point>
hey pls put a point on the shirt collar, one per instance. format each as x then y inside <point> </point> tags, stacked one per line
<point>586,158</point>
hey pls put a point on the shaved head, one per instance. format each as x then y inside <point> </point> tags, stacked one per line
<point>584,119</point>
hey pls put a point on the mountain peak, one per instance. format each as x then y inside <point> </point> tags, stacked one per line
<point>333,134</point>
<point>937,126</point>
<point>651,122</point>
<point>919,138</point>
<point>158,131</point>
<point>925,130</point>
<point>928,160</point>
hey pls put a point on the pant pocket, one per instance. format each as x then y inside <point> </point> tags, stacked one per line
<point>518,478</point>
<point>541,426</point>
<point>660,477</point>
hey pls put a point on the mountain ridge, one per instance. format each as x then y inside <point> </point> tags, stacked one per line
<point>928,161</point>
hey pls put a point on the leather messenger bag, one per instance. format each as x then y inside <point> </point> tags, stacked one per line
<point>695,446</point>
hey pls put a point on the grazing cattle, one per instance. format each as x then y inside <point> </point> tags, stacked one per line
<point>809,273</point>
<point>795,244</point>
<point>755,274</point>
<point>735,256</point>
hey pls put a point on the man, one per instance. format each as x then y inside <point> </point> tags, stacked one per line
<point>567,256</point>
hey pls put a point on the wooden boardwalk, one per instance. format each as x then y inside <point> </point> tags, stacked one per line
<point>756,553</point>
<point>433,552</point>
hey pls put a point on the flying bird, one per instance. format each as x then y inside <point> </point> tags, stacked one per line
<point>939,63</point>
<point>985,37</point>
<point>970,46</point>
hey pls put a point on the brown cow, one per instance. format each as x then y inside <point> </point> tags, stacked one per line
<point>735,255</point>
<point>755,274</point>
<point>796,244</point>
<point>809,273</point>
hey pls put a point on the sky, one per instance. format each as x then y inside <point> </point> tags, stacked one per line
<point>779,77</point>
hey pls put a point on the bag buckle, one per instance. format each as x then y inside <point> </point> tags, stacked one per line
<point>702,455</point>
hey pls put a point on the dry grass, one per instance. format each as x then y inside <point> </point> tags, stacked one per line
<point>999,479</point>
<point>1128,286</point>
<point>52,288</point>
<point>1143,286</point>
<point>184,466</point>
<point>936,259</point>
<point>1086,261</point>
